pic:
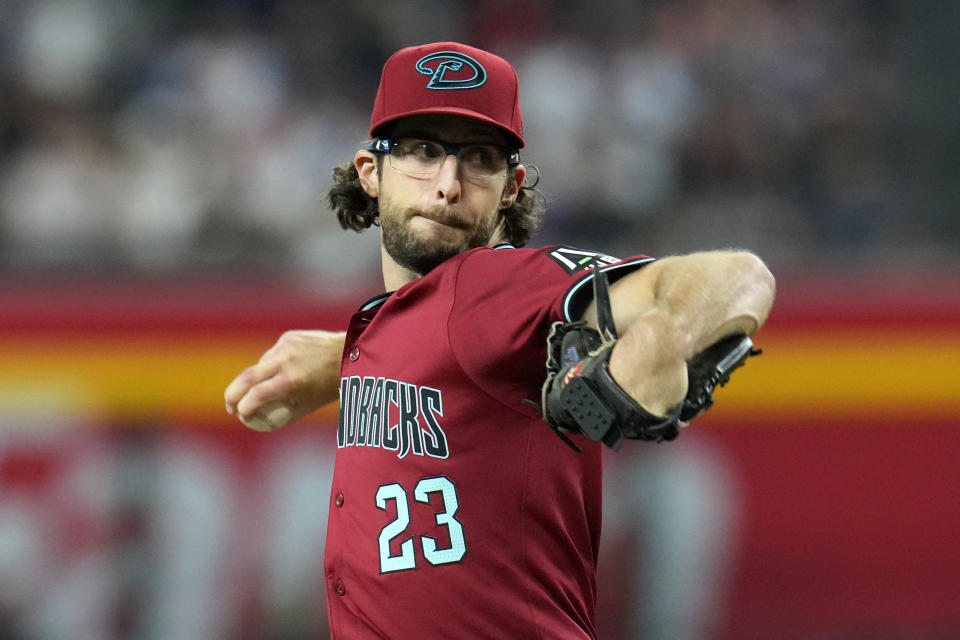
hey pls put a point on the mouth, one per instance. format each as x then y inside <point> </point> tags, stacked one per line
<point>453,222</point>
<point>442,230</point>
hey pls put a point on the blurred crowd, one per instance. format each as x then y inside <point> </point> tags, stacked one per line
<point>174,136</point>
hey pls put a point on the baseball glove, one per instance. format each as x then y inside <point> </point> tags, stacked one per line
<point>580,396</point>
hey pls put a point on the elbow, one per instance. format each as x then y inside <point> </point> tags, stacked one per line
<point>758,285</point>
<point>756,272</point>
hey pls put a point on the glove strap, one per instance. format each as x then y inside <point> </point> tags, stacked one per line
<point>606,413</point>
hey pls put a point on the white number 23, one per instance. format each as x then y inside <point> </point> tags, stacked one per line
<point>421,493</point>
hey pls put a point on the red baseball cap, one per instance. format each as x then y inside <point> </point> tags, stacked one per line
<point>448,77</point>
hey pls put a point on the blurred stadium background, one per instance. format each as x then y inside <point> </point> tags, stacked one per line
<point>162,169</point>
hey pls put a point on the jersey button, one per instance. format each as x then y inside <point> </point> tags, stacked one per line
<point>354,354</point>
<point>339,588</point>
<point>339,499</point>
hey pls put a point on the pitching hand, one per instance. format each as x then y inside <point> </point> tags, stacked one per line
<point>295,377</point>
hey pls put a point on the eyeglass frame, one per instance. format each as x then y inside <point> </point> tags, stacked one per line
<point>387,145</point>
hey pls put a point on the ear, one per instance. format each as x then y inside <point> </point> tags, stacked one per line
<point>366,165</point>
<point>512,188</point>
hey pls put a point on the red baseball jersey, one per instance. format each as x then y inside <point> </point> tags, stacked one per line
<point>455,512</point>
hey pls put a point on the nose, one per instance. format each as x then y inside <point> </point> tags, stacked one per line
<point>448,179</point>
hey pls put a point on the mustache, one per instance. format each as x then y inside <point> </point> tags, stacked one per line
<point>444,215</point>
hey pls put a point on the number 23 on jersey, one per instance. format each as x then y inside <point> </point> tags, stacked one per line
<point>397,528</point>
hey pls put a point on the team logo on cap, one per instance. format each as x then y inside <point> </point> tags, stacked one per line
<point>446,69</point>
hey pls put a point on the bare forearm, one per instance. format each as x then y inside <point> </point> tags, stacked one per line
<point>706,296</point>
<point>680,306</point>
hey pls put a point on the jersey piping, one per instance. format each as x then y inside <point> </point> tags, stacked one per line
<point>574,302</point>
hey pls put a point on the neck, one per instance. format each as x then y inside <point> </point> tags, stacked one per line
<point>394,276</point>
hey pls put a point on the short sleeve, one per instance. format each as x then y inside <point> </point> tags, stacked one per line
<point>505,303</point>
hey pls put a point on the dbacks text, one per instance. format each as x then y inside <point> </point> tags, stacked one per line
<point>393,415</point>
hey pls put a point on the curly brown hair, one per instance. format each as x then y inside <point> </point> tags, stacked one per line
<point>358,211</point>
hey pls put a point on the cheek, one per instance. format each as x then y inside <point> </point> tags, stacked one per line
<point>486,199</point>
<point>404,189</point>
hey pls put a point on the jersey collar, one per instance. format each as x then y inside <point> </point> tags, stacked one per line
<point>375,302</point>
<point>378,300</point>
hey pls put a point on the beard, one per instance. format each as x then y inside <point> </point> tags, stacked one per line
<point>422,254</point>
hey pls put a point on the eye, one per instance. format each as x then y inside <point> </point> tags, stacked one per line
<point>483,156</point>
<point>422,149</point>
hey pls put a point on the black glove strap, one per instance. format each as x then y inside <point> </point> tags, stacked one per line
<point>604,412</point>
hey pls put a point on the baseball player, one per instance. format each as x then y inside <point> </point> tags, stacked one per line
<point>478,394</point>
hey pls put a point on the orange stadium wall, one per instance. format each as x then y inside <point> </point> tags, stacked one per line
<point>838,447</point>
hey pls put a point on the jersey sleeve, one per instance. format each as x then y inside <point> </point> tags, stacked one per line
<point>505,303</point>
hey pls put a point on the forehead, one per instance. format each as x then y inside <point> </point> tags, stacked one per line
<point>448,128</point>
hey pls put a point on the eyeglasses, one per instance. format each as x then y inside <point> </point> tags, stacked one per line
<point>422,158</point>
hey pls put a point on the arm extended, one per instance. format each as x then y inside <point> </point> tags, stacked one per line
<point>683,326</point>
<point>676,307</point>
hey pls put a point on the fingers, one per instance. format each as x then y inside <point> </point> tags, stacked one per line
<point>296,376</point>
<point>237,390</point>
<point>258,397</point>
<point>271,417</point>
<point>261,394</point>
<point>244,395</point>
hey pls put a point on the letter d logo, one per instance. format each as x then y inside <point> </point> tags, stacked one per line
<point>447,68</point>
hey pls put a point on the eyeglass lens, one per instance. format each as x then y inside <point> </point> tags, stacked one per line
<point>420,157</point>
